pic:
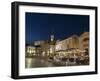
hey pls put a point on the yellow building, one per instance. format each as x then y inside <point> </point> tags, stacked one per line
<point>68,46</point>
<point>68,43</point>
<point>73,42</point>
<point>84,42</point>
<point>45,48</point>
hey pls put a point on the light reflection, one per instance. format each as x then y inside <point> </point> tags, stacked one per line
<point>29,62</point>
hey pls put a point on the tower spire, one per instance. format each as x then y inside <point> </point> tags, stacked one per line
<point>52,35</point>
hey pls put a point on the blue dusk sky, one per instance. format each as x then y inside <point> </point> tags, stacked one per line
<point>39,26</point>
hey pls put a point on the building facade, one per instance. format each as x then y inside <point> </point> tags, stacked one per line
<point>30,50</point>
<point>68,43</point>
<point>84,42</point>
<point>73,44</point>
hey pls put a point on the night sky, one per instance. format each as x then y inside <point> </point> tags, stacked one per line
<point>39,26</point>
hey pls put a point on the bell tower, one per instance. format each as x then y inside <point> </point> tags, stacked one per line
<point>52,37</point>
<point>52,43</point>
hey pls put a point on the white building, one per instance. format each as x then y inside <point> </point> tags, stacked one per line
<point>36,43</point>
<point>30,50</point>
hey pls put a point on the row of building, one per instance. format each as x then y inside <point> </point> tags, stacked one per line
<point>73,44</point>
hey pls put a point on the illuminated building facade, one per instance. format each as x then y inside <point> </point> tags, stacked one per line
<point>68,43</point>
<point>45,47</point>
<point>73,44</point>
<point>84,42</point>
<point>30,51</point>
<point>76,44</point>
